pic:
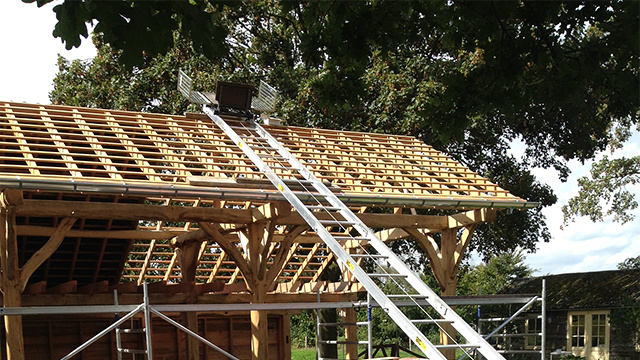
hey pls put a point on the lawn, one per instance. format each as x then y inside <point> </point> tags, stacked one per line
<point>303,354</point>
<point>310,354</point>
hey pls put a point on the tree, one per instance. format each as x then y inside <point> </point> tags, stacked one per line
<point>625,324</point>
<point>608,186</point>
<point>495,274</point>
<point>528,65</point>
<point>630,263</point>
<point>466,77</point>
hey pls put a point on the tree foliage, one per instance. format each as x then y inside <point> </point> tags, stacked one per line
<point>493,275</point>
<point>543,70</point>
<point>466,77</point>
<point>607,186</point>
<point>630,263</point>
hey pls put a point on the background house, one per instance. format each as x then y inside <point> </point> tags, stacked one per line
<point>594,314</point>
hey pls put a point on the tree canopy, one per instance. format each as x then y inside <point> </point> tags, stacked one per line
<point>543,70</point>
<point>466,77</point>
<point>609,186</point>
<point>630,263</point>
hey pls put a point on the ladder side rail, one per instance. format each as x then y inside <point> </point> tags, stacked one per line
<point>394,312</point>
<point>414,280</point>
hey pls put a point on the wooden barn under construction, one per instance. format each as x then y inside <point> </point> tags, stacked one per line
<point>96,203</point>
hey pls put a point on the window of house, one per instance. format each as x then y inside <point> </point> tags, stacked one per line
<point>578,334</point>
<point>598,330</point>
<point>534,327</point>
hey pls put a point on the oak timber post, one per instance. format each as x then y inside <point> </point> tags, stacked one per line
<point>258,236</point>
<point>259,325</point>
<point>10,201</point>
<point>188,253</point>
<point>448,286</point>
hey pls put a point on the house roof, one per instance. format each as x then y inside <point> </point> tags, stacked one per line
<point>588,290</point>
<point>109,151</point>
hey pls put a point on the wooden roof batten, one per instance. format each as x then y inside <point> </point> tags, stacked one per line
<point>72,149</point>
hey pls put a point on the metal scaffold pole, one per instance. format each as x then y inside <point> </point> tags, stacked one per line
<point>543,343</point>
<point>147,322</point>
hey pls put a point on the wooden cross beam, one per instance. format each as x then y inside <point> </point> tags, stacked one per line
<point>241,217</point>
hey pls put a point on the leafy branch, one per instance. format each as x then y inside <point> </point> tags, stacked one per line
<point>606,192</point>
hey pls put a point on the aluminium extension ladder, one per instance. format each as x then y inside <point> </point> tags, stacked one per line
<point>255,135</point>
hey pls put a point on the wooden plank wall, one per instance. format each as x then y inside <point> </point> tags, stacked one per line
<point>51,338</point>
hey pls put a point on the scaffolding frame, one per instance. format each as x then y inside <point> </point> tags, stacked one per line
<point>515,316</point>
<point>527,300</point>
<point>159,309</point>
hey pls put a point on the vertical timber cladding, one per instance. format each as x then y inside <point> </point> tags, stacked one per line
<point>51,338</point>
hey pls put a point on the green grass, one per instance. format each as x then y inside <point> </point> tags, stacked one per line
<point>310,354</point>
<point>303,354</point>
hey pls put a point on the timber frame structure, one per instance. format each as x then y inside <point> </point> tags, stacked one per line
<point>95,200</point>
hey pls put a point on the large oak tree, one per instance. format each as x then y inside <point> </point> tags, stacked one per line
<point>467,77</point>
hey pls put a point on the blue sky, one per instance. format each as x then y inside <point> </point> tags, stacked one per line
<point>28,66</point>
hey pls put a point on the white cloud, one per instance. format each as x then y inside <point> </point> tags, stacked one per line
<point>582,245</point>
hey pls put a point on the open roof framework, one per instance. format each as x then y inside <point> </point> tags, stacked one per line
<point>95,200</point>
<point>184,167</point>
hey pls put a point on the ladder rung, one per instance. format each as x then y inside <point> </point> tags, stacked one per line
<point>320,207</point>
<point>387,275</point>
<point>456,346</point>
<point>132,351</point>
<point>353,238</point>
<point>272,157</point>
<point>372,256</point>
<point>431,321</point>
<point>130,331</point>
<point>361,323</point>
<point>249,125</point>
<point>280,167</point>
